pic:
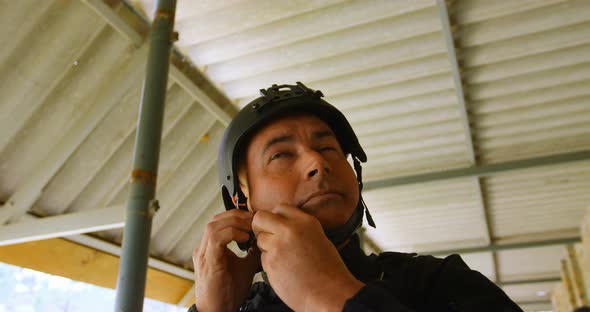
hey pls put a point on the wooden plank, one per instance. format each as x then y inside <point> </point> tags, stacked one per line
<point>584,252</point>
<point>61,257</point>
<point>575,273</point>
<point>560,299</point>
<point>568,293</point>
<point>189,298</point>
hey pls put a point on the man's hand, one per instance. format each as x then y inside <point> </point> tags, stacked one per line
<point>302,265</point>
<point>222,279</point>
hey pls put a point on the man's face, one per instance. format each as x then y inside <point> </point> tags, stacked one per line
<point>298,161</point>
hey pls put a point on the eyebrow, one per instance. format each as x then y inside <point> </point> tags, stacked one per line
<point>276,140</point>
<point>316,135</point>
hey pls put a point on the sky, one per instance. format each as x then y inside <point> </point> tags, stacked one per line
<point>25,290</point>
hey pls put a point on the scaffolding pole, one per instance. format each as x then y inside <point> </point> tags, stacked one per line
<point>141,204</point>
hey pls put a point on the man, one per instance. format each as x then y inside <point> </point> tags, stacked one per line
<point>283,163</point>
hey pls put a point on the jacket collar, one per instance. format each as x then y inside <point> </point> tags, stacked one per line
<point>363,267</point>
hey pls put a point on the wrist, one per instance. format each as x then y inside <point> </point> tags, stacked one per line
<point>333,298</point>
<point>215,308</point>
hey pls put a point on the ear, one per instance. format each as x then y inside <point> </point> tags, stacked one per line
<point>244,187</point>
<point>243,180</point>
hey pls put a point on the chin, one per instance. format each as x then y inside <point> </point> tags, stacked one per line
<point>332,219</point>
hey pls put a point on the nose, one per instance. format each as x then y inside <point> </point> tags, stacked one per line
<point>316,165</point>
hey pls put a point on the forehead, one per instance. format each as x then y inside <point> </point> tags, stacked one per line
<point>286,125</point>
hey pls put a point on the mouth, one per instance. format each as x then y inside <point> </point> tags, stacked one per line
<point>319,197</point>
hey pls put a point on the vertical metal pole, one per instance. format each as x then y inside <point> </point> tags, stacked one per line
<point>141,205</point>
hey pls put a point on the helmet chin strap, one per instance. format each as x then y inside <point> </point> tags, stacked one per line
<point>339,235</point>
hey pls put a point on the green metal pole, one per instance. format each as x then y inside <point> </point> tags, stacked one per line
<point>141,205</point>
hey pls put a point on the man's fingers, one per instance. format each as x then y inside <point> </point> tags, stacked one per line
<point>264,221</point>
<point>233,213</point>
<point>221,232</point>
<point>244,224</point>
<point>289,212</point>
<point>227,235</point>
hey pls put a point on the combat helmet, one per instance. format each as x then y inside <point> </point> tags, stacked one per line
<point>275,102</point>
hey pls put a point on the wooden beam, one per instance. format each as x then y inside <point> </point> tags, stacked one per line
<point>115,250</point>
<point>64,258</point>
<point>189,298</point>
<point>31,229</point>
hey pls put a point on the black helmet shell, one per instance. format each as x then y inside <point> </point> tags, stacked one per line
<point>277,101</point>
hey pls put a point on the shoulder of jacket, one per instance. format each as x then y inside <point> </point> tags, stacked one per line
<point>412,265</point>
<point>396,257</point>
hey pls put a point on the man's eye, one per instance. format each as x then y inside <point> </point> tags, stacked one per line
<point>327,148</point>
<point>277,156</point>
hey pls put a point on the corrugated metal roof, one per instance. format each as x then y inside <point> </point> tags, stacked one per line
<point>427,216</point>
<point>540,262</point>
<point>535,294</point>
<point>72,79</point>
<point>482,262</point>
<point>525,72</point>
<point>539,201</point>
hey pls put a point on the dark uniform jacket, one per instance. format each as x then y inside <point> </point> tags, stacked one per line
<point>403,282</point>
